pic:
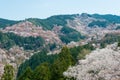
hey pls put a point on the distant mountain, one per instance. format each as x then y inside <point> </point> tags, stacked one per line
<point>109,17</point>
<point>5,22</point>
<point>67,27</point>
<point>64,28</point>
<point>48,23</point>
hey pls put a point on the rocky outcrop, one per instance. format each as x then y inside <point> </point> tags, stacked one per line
<point>101,64</point>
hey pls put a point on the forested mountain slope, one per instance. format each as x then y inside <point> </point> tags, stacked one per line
<point>104,64</point>
<point>26,39</point>
<point>5,22</point>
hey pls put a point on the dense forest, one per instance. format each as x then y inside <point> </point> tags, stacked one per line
<point>110,18</point>
<point>69,34</point>
<point>4,23</point>
<point>8,40</point>
<point>43,66</point>
<point>51,67</point>
<point>48,23</point>
<point>98,23</point>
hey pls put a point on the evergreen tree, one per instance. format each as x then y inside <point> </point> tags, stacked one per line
<point>42,72</point>
<point>27,75</point>
<point>66,55</point>
<point>61,64</point>
<point>8,73</point>
<point>57,69</point>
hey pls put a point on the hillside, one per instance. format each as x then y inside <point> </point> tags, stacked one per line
<point>22,41</point>
<point>57,63</point>
<point>5,22</point>
<point>82,25</point>
<point>48,23</point>
<point>104,64</point>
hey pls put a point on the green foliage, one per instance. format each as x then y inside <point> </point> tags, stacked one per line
<point>108,17</point>
<point>69,34</point>
<point>48,66</point>
<point>52,46</point>
<point>42,72</point>
<point>102,45</point>
<point>51,21</point>
<point>36,60</point>
<point>65,54</point>
<point>7,40</point>
<point>119,44</point>
<point>27,74</point>
<point>51,67</point>
<point>8,73</point>
<point>58,68</point>
<point>4,23</point>
<point>67,30</point>
<point>81,51</point>
<point>98,23</point>
<point>61,64</point>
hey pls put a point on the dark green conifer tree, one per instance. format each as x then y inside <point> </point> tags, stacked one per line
<point>42,72</point>
<point>27,75</point>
